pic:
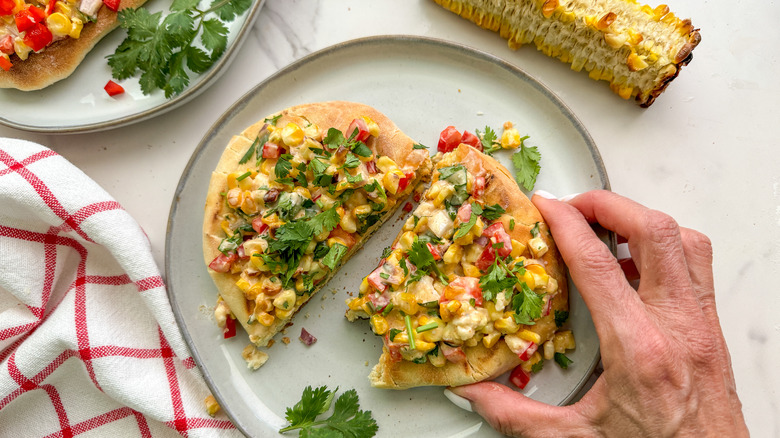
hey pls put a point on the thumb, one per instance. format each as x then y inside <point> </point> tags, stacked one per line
<point>514,414</point>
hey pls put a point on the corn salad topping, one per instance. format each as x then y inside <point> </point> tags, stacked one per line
<point>30,26</point>
<point>299,204</point>
<point>454,278</point>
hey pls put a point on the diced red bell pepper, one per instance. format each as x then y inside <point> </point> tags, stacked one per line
<point>112,88</point>
<point>527,350</point>
<point>271,150</point>
<point>376,281</point>
<point>29,17</point>
<point>449,139</point>
<point>471,140</point>
<point>404,182</point>
<point>5,62</point>
<point>464,212</point>
<point>519,377</point>
<point>230,328</point>
<point>547,307</point>
<point>498,233</point>
<point>463,288</point>
<point>7,7</point>
<point>348,238</point>
<point>434,251</point>
<point>408,207</point>
<point>487,257</point>
<point>258,225</point>
<point>453,354</point>
<point>241,253</point>
<point>112,4</point>
<point>222,262</point>
<point>38,36</point>
<point>362,130</point>
<point>50,7</point>
<point>393,349</point>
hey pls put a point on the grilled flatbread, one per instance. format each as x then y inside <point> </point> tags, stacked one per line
<point>292,198</point>
<point>474,278</point>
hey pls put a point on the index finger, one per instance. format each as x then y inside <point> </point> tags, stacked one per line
<point>592,267</point>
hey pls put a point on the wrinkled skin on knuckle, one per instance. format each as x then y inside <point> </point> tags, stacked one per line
<point>659,228</point>
<point>699,244</point>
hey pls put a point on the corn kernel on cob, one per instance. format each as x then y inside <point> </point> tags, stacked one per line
<point>638,49</point>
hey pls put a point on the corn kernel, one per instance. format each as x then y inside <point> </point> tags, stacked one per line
<point>292,135</point>
<point>58,24</point>
<point>421,226</point>
<point>491,339</point>
<point>470,270</point>
<point>453,306</point>
<point>373,128</point>
<point>424,346</point>
<point>406,240</point>
<point>443,195</point>
<point>282,313</point>
<point>265,319</point>
<point>243,284</point>
<point>357,303</point>
<point>285,300</point>
<point>510,138</point>
<point>363,210</point>
<point>392,180</point>
<point>517,248</point>
<point>364,286</point>
<point>267,167</point>
<point>563,341</point>
<point>530,336</point>
<point>406,302</point>
<point>506,325</point>
<point>348,223</point>
<point>334,240</point>
<point>22,50</point>
<point>533,360</point>
<point>212,407</point>
<point>379,324</point>
<point>386,164</point>
<point>453,254</point>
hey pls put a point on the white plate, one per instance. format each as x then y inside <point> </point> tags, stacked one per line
<point>79,103</point>
<point>423,85</point>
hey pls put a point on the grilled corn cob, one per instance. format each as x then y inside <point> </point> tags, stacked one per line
<point>638,49</point>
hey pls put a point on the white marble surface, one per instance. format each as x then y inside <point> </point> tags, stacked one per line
<point>705,152</point>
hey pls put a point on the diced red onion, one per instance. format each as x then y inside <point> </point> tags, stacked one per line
<point>307,337</point>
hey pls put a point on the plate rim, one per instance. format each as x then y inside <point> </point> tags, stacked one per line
<point>209,77</point>
<point>242,101</point>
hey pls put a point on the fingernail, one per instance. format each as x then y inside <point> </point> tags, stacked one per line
<point>545,194</point>
<point>568,198</point>
<point>458,401</point>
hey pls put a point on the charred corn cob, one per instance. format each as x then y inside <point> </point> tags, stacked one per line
<point>637,48</point>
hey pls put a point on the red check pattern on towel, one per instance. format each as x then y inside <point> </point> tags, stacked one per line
<point>88,342</point>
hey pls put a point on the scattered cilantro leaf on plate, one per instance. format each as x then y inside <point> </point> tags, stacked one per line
<point>166,50</point>
<point>526,164</point>
<point>347,419</point>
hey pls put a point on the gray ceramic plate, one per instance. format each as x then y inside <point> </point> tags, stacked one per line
<point>423,85</point>
<point>79,103</point>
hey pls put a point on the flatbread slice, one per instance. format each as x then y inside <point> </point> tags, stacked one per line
<point>61,58</point>
<point>474,278</point>
<point>292,198</point>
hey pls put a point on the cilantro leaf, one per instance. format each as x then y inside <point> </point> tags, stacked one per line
<point>350,162</point>
<point>419,146</point>
<point>420,256</point>
<point>489,140</point>
<point>272,120</point>
<point>325,221</point>
<point>526,163</point>
<point>560,317</point>
<point>527,305</point>
<point>562,360</point>
<point>161,48</point>
<point>283,166</point>
<point>496,280</point>
<point>334,256</point>
<point>464,228</point>
<point>535,368</point>
<point>347,419</point>
<point>334,138</point>
<point>361,149</point>
<point>492,212</point>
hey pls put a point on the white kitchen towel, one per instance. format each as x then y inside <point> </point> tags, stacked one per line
<point>88,342</point>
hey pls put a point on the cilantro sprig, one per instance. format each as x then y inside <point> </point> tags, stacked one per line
<point>347,419</point>
<point>526,164</point>
<point>167,49</point>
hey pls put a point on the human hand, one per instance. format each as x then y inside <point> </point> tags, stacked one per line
<point>667,370</point>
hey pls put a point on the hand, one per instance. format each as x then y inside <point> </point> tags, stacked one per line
<point>667,370</point>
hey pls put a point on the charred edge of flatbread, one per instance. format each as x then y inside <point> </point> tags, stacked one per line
<point>391,142</point>
<point>483,363</point>
<point>61,58</point>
